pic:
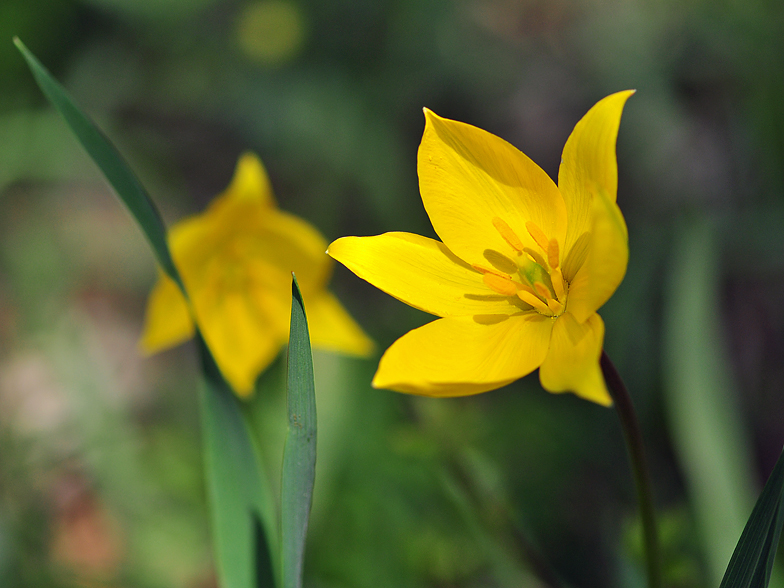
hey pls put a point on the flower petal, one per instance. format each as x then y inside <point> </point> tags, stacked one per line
<point>243,338</point>
<point>293,245</point>
<point>607,258</point>
<point>421,272</point>
<point>250,184</point>
<point>572,363</point>
<point>469,177</point>
<point>588,163</point>
<point>332,328</point>
<point>458,356</point>
<point>168,321</point>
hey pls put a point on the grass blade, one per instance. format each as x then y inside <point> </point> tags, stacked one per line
<point>108,159</point>
<point>241,501</point>
<point>752,561</point>
<point>299,454</point>
<point>243,519</point>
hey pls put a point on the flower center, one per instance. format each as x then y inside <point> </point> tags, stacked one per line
<point>538,281</point>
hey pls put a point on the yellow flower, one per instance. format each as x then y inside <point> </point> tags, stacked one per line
<point>236,260</point>
<point>522,267</point>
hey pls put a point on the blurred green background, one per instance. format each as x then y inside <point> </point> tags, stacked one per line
<point>100,464</point>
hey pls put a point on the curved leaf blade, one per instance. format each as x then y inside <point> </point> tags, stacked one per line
<point>299,454</point>
<point>752,562</point>
<point>242,507</point>
<point>108,159</point>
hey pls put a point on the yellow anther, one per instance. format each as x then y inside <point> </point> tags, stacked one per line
<point>535,256</point>
<point>542,290</point>
<point>537,234</point>
<point>555,306</point>
<point>508,234</point>
<point>488,270</point>
<point>552,253</point>
<point>558,283</point>
<point>502,285</point>
<point>529,298</point>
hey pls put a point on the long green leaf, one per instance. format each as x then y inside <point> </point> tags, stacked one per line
<point>243,520</point>
<point>243,514</point>
<point>752,561</point>
<point>108,159</point>
<point>701,397</point>
<point>299,455</point>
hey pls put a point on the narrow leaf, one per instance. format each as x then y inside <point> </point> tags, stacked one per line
<point>108,159</point>
<point>243,517</point>
<point>242,506</point>
<point>299,454</point>
<point>752,561</point>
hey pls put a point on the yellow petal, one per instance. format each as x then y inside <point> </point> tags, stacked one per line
<point>250,184</point>
<point>458,356</point>
<point>332,328</point>
<point>242,337</point>
<point>605,265</point>
<point>469,177</point>
<point>421,272</point>
<point>293,245</point>
<point>168,321</point>
<point>588,163</point>
<point>572,363</point>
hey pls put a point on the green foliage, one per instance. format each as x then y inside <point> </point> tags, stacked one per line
<point>114,168</point>
<point>244,522</point>
<point>299,454</point>
<point>752,562</point>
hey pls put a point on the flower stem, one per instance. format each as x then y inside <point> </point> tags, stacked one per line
<point>642,481</point>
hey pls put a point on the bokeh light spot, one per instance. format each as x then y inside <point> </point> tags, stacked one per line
<point>271,32</point>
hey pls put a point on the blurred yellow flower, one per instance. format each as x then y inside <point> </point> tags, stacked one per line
<point>522,267</point>
<point>236,260</point>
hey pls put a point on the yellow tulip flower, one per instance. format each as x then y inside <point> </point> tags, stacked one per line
<point>236,260</point>
<point>520,271</point>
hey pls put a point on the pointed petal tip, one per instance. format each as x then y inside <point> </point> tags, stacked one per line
<point>430,115</point>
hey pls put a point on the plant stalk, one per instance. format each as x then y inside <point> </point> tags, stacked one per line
<point>642,480</point>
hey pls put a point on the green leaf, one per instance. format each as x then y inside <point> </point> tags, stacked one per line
<point>242,506</point>
<point>109,160</point>
<point>709,437</point>
<point>299,455</point>
<point>752,562</point>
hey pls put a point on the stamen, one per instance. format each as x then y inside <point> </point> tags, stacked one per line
<point>535,256</point>
<point>537,234</point>
<point>508,234</point>
<point>487,270</point>
<point>552,253</point>
<point>529,298</point>
<point>502,285</point>
<point>558,283</point>
<point>555,306</point>
<point>542,290</point>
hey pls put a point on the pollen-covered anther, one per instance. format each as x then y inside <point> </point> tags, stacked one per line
<point>489,270</point>
<point>508,234</point>
<point>542,290</point>
<point>535,256</point>
<point>534,301</point>
<point>502,285</point>
<point>537,235</point>
<point>553,252</point>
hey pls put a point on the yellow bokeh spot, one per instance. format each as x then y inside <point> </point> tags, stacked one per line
<point>271,32</point>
